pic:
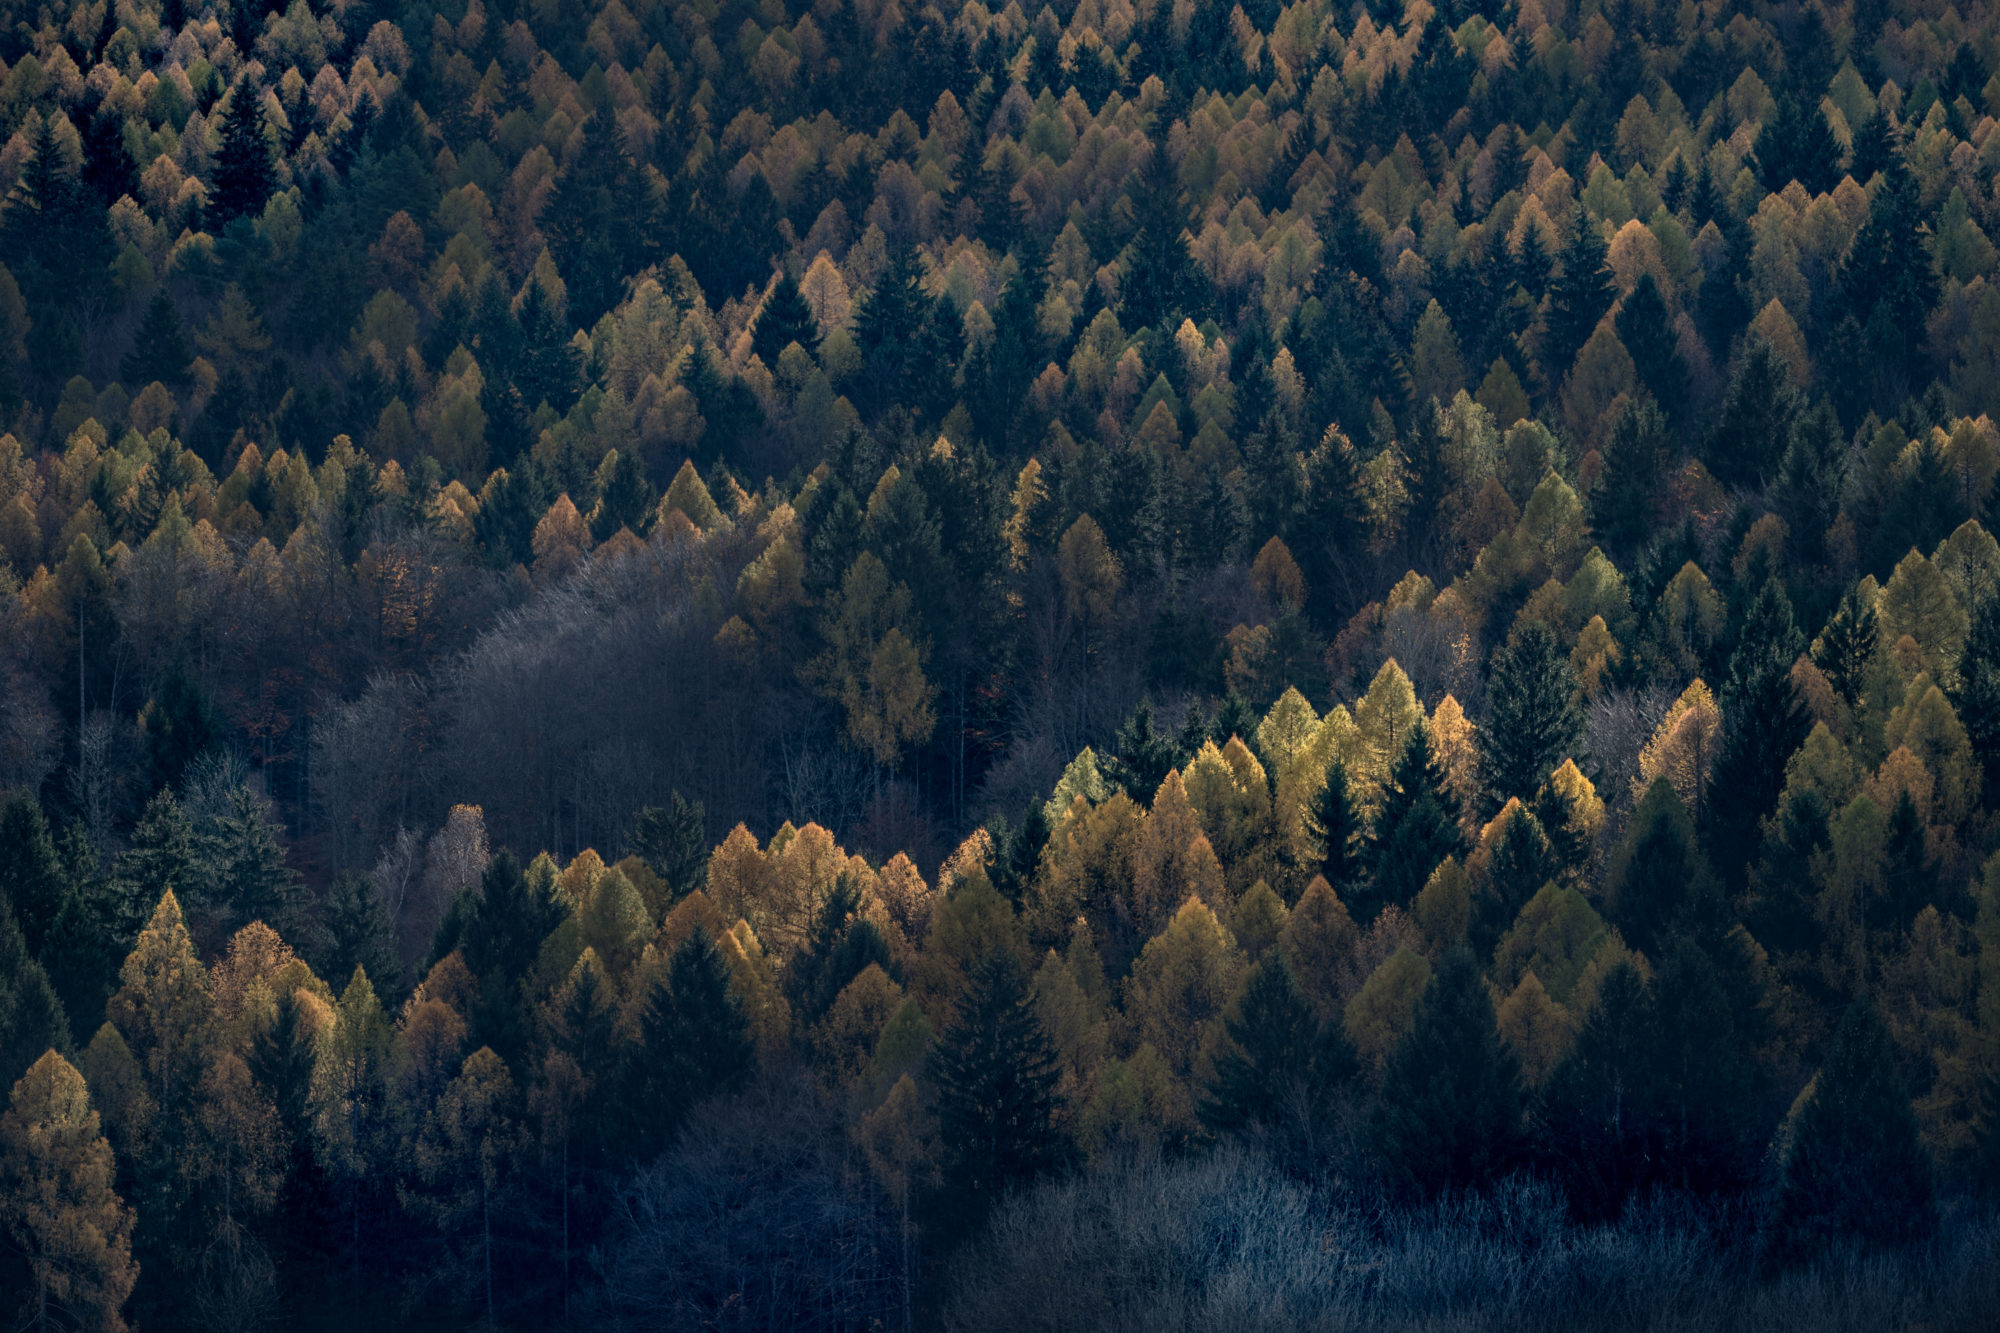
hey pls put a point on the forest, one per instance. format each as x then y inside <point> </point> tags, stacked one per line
<point>1149,665</point>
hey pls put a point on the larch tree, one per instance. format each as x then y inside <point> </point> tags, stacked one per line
<point>71,1231</point>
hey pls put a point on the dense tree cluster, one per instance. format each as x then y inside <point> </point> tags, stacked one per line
<point>1410,587</point>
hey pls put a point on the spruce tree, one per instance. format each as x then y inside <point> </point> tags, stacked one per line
<point>1708,1080</point>
<point>1414,829</point>
<point>1645,326</point>
<point>1796,144</point>
<point>243,177</point>
<point>1338,825</point>
<point>1450,1115</point>
<point>1597,1121</point>
<point>995,1072</point>
<point>673,842</point>
<point>1533,722</point>
<point>1637,459</point>
<point>1657,874</point>
<point>784,320</point>
<point>695,1037</point>
<point>1523,861</point>
<point>1754,429</point>
<point>1282,1067</point>
<point>160,858</point>
<point>1764,723</point>
<point>1847,646</point>
<point>1855,1168</point>
<point>1580,293</point>
<point>1811,475</point>
<point>1161,278</point>
<point>1143,754</point>
<point>510,918</point>
<point>1977,696</point>
<point>32,880</point>
<point>159,350</point>
<point>359,933</point>
<point>246,874</point>
<point>31,1015</point>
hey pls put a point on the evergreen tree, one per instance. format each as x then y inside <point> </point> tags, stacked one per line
<point>58,1206</point>
<point>159,858</point>
<point>1764,723</point>
<point>1143,754</point>
<point>696,1040</point>
<point>510,917</point>
<point>159,351</point>
<point>1796,144</point>
<point>1282,1067</point>
<point>108,170</point>
<point>593,227</point>
<point>1646,328</point>
<point>1811,475</point>
<point>1976,698</point>
<point>360,934</point>
<point>244,177</point>
<point>673,844</point>
<point>1754,430</point>
<point>1414,829</point>
<point>1637,459</point>
<point>1340,830</point>
<point>1855,1166</point>
<point>1722,307</point>
<point>1533,722</point>
<point>31,1015</point>
<point>1523,861</point>
<point>1450,1115</point>
<point>1909,871</point>
<point>1708,1080</point>
<point>785,319</point>
<point>1847,646</point>
<point>245,871</point>
<point>1580,294</point>
<point>627,500</point>
<point>906,353</point>
<point>32,880</point>
<point>1597,1121</point>
<point>56,240</point>
<point>995,1073</point>
<point>1161,279</point>
<point>1657,874</point>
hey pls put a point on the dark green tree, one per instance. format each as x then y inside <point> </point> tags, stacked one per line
<point>1450,1117</point>
<point>1764,723</point>
<point>243,177</point>
<point>1533,722</point>
<point>1597,1121</point>
<point>784,320</point>
<point>1579,295</point>
<point>1796,144</point>
<point>1637,459</point>
<point>159,857</point>
<point>159,350</point>
<point>359,933</point>
<point>1977,696</point>
<point>244,867</point>
<point>1523,861</point>
<point>32,881</point>
<point>1754,430</point>
<point>1414,829</point>
<point>1143,754</point>
<point>1847,645</point>
<point>1657,873</point>
<point>1856,1168</point>
<point>1811,474</point>
<point>695,1037</point>
<point>1282,1069</point>
<point>1340,829</point>
<point>1646,327</point>
<point>995,1073</point>
<point>594,220</point>
<point>31,1017</point>
<point>1910,872</point>
<point>503,926</point>
<point>673,843</point>
<point>1161,278</point>
<point>1709,1082</point>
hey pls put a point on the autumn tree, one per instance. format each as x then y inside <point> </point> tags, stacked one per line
<point>70,1230</point>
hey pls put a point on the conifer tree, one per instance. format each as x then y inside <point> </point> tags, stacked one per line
<point>1523,861</point>
<point>1414,829</point>
<point>1579,295</point>
<point>243,177</point>
<point>1596,1121</point>
<point>1811,474</point>
<point>1706,1073</point>
<point>1533,723</point>
<point>1754,429</point>
<point>246,874</point>
<point>695,1037</point>
<point>159,349</point>
<point>1646,328</point>
<point>1796,144</point>
<point>58,1206</point>
<point>360,934</point>
<point>1161,279</point>
<point>510,919</point>
<point>31,1015</point>
<point>1847,646</point>
<point>1450,1115</point>
<point>1764,722</point>
<point>1637,458</point>
<point>996,1073</point>
<point>1144,754</point>
<point>1282,1067</point>
<point>1855,1167</point>
<point>784,320</point>
<point>1657,874</point>
<point>31,875</point>
<point>1338,827</point>
<point>671,840</point>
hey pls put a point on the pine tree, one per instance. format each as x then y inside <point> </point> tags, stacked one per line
<point>1754,430</point>
<point>1578,297</point>
<point>996,1074</point>
<point>243,178</point>
<point>784,320</point>
<point>696,1039</point>
<point>1414,830</point>
<point>108,169</point>
<point>1282,1067</point>
<point>1855,1168</point>
<point>1339,829</point>
<point>1977,696</point>
<point>1764,723</point>
<point>1144,754</point>
<point>1533,722</point>
<point>1523,861</point>
<point>593,221</point>
<point>511,917</point>
<point>1450,1115</point>
<point>55,236</point>
<point>159,349</point>
<point>58,1206</point>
